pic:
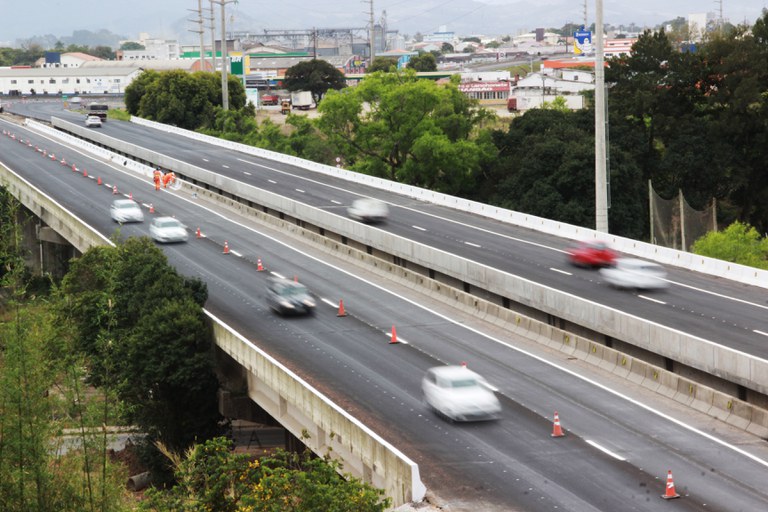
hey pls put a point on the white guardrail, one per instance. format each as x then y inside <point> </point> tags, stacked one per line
<point>703,264</point>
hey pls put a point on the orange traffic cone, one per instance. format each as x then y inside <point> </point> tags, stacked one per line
<point>85,173</point>
<point>114,189</point>
<point>152,209</point>
<point>259,266</point>
<point>53,157</point>
<point>74,168</point>
<point>670,492</point>
<point>63,162</point>
<point>130,196</point>
<point>98,180</point>
<point>341,309</point>
<point>226,247</point>
<point>464,364</point>
<point>557,430</point>
<point>198,234</point>
<point>295,278</point>
<point>393,340</point>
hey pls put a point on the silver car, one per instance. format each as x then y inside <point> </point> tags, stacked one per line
<point>637,274</point>
<point>459,394</point>
<point>368,210</point>
<point>289,297</point>
<point>167,229</point>
<point>93,122</point>
<point>126,210</point>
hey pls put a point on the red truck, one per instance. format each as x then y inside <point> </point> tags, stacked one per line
<point>269,99</point>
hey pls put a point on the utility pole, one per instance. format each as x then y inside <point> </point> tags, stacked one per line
<point>224,63</point>
<point>200,31</point>
<point>371,34</point>
<point>601,190</point>
<point>212,19</point>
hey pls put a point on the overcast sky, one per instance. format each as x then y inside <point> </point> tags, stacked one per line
<point>27,18</point>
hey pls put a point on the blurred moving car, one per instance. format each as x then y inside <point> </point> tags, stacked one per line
<point>591,253</point>
<point>368,210</point>
<point>633,273</point>
<point>289,297</point>
<point>76,100</point>
<point>167,229</point>
<point>93,122</point>
<point>459,394</point>
<point>126,210</point>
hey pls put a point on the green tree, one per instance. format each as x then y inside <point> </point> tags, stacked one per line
<point>395,126</point>
<point>423,62</point>
<point>212,477</point>
<point>131,45</point>
<point>545,167</point>
<point>160,360</point>
<point>385,64</point>
<point>738,243</point>
<point>187,100</point>
<point>316,76</point>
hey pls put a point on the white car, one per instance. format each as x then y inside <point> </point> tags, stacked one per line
<point>459,394</point>
<point>633,273</point>
<point>368,210</point>
<point>126,210</point>
<point>167,229</point>
<point>93,122</point>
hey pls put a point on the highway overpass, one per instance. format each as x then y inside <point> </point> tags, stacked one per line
<point>454,292</point>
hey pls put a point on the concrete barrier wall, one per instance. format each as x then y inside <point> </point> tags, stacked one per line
<point>79,235</point>
<point>709,357</point>
<point>296,404</point>
<point>732,271</point>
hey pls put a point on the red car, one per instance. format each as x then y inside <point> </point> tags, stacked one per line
<point>591,253</point>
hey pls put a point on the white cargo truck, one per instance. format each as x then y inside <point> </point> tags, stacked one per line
<point>302,100</point>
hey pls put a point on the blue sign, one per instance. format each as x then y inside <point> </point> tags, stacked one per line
<point>582,42</point>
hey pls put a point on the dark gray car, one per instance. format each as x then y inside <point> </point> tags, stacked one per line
<point>289,297</point>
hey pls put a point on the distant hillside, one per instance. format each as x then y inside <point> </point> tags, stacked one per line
<point>79,37</point>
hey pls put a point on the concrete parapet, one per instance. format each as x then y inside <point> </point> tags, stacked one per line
<point>741,414</point>
<point>623,365</point>
<point>759,424</point>
<point>703,397</point>
<point>300,408</point>
<point>637,370</point>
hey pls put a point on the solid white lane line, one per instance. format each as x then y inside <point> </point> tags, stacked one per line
<point>472,245</point>
<point>561,271</point>
<point>657,301</point>
<point>605,450</point>
<point>419,228</point>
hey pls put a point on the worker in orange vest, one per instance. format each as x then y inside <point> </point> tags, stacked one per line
<point>168,178</point>
<point>157,177</point>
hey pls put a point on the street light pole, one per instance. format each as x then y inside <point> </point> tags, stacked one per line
<point>224,63</point>
<point>601,190</point>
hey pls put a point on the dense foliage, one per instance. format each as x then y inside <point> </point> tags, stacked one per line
<point>144,334</point>
<point>213,477</point>
<point>186,100</point>
<point>399,127</point>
